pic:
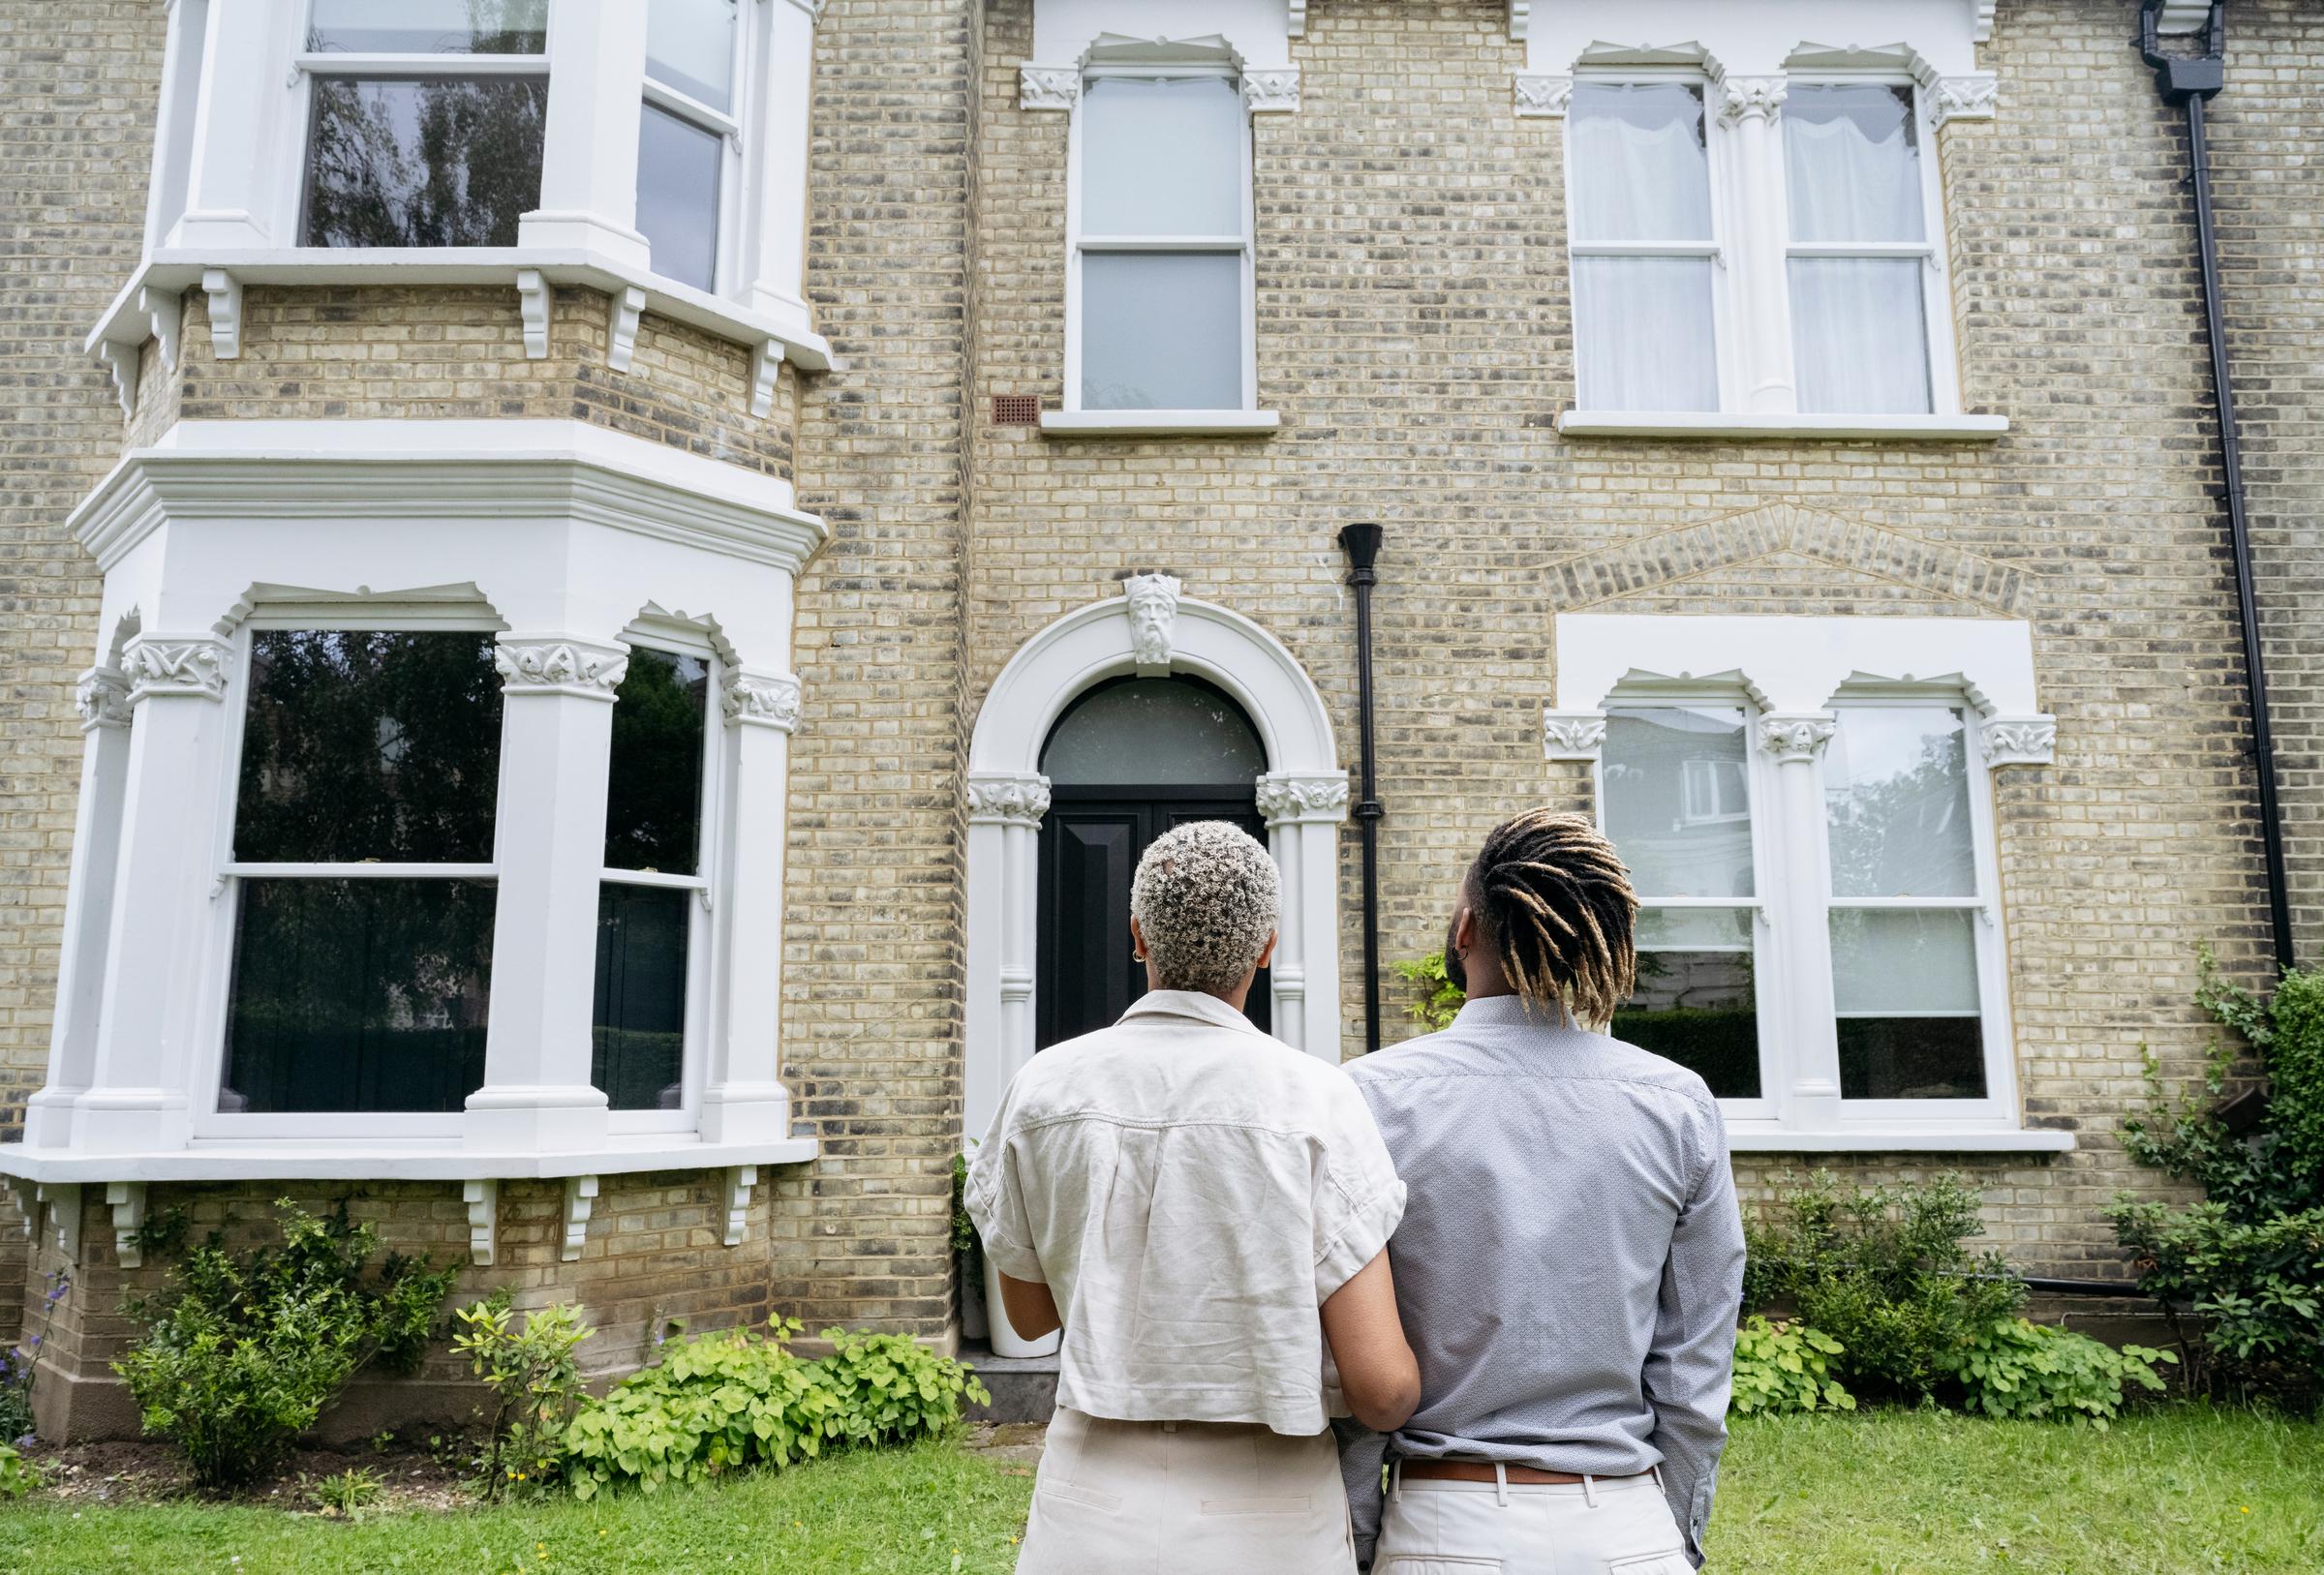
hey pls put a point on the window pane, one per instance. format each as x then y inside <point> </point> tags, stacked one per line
<point>1852,162</point>
<point>363,743</point>
<point>1859,336</point>
<point>1640,168</point>
<point>1643,337</point>
<point>638,1036</point>
<point>677,165</point>
<point>1700,1007</point>
<point>1896,795</point>
<point>1161,158</point>
<point>429,26</point>
<point>1904,961</point>
<point>1678,798</point>
<point>1161,331</point>
<point>1154,732</point>
<point>689,45</point>
<point>358,995</point>
<point>653,792</point>
<point>423,161</point>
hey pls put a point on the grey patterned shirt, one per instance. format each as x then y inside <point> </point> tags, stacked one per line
<point>1570,1263</point>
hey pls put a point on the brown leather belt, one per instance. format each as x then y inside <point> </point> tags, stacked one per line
<point>1479,1470</point>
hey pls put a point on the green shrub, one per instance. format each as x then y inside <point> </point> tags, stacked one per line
<point>20,1364</point>
<point>2015,1369</point>
<point>1785,1367</point>
<point>18,1476</point>
<point>1883,1271</point>
<point>735,1399</point>
<point>1439,998</point>
<point>348,1494</point>
<point>2240,1275</point>
<point>534,1377</point>
<point>244,1350</point>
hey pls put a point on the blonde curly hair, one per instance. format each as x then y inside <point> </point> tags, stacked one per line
<point>1206,899</point>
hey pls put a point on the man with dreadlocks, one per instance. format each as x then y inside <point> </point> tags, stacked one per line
<point>1570,1263</point>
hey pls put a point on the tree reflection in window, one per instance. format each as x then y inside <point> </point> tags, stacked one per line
<point>442,160</point>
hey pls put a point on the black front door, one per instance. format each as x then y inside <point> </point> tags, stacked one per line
<point>1090,842</point>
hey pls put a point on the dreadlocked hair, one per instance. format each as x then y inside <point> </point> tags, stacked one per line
<point>1558,909</point>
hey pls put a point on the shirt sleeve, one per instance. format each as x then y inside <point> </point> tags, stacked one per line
<point>1690,1367</point>
<point>995,1199</point>
<point>1358,1201</point>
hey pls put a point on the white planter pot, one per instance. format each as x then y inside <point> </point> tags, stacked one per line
<point>1006,1341</point>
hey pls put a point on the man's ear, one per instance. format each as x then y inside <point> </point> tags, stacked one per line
<point>1266,953</point>
<point>1136,940</point>
<point>1465,927</point>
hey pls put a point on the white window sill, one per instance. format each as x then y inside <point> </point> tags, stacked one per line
<point>1761,1138</point>
<point>1157,423</point>
<point>125,323</point>
<point>411,1160</point>
<point>1721,424</point>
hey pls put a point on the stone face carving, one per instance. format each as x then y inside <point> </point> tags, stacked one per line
<point>1573,735</point>
<point>1796,736</point>
<point>102,697</point>
<point>1153,608</point>
<point>763,700</point>
<point>161,665</point>
<point>1286,798</point>
<point>1047,87</point>
<point>2020,741</point>
<point>1010,800</point>
<point>569,666</point>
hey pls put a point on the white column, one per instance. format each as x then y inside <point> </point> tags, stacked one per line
<point>1304,811</point>
<point>588,159</point>
<point>549,842</point>
<point>154,947</point>
<point>1795,908</point>
<point>102,699</point>
<point>742,1096</point>
<point>778,205</point>
<point>234,181</point>
<point>1761,282</point>
<point>1004,853</point>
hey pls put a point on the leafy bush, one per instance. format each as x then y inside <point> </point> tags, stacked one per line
<point>535,1375</point>
<point>1785,1367</point>
<point>966,1245</point>
<point>245,1350</point>
<point>2240,1275</point>
<point>1883,1271</point>
<point>727,1401</point>
<point>18,1476</point>
<point>1440,999</point>
<point>2016,1369</point>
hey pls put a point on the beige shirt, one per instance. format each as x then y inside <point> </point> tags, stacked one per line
<point>1191,1191</point>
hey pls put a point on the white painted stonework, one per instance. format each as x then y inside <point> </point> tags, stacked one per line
<point>1303,798</point>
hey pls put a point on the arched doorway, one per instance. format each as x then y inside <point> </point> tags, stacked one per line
<point>1130,758</point>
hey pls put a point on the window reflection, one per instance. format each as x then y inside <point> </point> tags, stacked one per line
<point>449,160</point>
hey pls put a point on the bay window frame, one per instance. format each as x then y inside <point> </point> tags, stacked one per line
<point>1079,245</point>
<point>743,76</point>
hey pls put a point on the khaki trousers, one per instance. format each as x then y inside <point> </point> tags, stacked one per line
<point>1596,1528</point>
<point>1186,1498</point>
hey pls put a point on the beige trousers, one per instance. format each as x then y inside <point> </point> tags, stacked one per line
<point>1186,1498</point>
<point>1598,1527</point>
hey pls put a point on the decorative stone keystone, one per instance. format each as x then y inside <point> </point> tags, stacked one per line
<point>1153,603</point>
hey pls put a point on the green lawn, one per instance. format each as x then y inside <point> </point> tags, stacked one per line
<point>1877,1494</point>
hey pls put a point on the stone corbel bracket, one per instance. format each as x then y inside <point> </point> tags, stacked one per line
<point>1047,87</point>
<point>127,1201</point>
<point>1541,96</point>
<point>580,1197</point>
<point>1296,23</point>
<point>1573,735</point>
<point>63,1198</point>
<point>165,312</point>
<point>121,360</point>
<point>621,341</point>
<point>2019,740</point>
<point>484,1200</point>
<point>532,301</point>
<point>1272,91</point>
<point>1967,96</point>
<point>225,292</point>
<point>737,1180</point>
<point>766,360</point>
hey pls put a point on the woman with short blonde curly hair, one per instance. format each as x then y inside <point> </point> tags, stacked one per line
<point>1205,1211</point>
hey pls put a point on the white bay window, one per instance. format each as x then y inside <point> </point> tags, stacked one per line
<point>1811,835</point>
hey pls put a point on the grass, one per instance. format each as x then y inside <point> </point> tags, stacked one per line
<point>1880,1493</point>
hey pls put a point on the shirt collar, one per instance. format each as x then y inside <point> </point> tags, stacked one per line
<point>1506,1011</point>
<point>1193,1004</point>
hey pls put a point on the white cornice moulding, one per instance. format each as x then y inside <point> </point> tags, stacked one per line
<point>1783,427</point>
<point>1158,423</point>
<point>1755,38</point>
<point>1761,1138</point>
<point>478,469</point>
<point>390,1160</point>
<point>1542,95</point>
<point>222,275</point>
<point>1047,87</point>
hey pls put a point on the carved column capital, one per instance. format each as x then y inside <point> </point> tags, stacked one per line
<point>1006,797</point>
<point>102,697</point>
<point>1969,96</point>
<point>1796,736</point>
<point>2019,740</point>
<point>1540,96</point>
<point>193,665</point>
<point>1047,87</point>
<point>761,700</point>
<point>1571,735</point>
<point>559,664</point>
<point>1294,797</point>
<point>1273,91</point>
<point>1751,97</point>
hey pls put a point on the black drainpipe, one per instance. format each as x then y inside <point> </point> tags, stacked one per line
<point>2191,79</point>
<point>1361,544</point>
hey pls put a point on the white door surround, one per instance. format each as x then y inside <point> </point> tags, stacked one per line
<point>1304,798</point>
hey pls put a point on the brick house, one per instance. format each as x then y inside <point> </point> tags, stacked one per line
<point>602,595</point>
